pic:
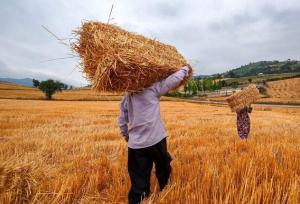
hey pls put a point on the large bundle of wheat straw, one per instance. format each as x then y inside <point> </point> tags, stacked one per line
<point>244,98</point>
<point>116,60</point>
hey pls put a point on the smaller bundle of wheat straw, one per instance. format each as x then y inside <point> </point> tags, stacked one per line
<point>244,98</point>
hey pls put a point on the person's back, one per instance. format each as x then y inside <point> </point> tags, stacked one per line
<point>141,124</point>
<point>145,125</point>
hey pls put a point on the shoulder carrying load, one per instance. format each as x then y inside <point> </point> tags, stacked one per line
<point>116,60</point>
<point>244,98</point>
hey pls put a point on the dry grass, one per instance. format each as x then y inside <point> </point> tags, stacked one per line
<point>13,91</point>
<point>288,88</point>
<point>117,60</point>
<point>71,152</point>
<point>287,91</point>
<point>11,86</point>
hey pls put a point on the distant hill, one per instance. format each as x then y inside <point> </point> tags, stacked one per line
<point>197,77</point>
<point>24,82</point>
<point>264,67</point>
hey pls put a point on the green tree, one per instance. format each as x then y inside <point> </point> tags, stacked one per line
<point>185,88</point>
<point>219,84</point>
<point>231,74</point>
<point>250,80</point>
<point>61,85</point>
<point>199,85</point>
<point>35,83</point>
<point>223,83</point>
<point>194,87</point>
<point>207,84</point>
<point>189,87</point>
<point>49,87</point>
<point>234,84</point>
<point>216,85</point>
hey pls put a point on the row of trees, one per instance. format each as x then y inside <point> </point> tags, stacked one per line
<point>195,86</point>
<point>209,84</point>
<point>50,87</point>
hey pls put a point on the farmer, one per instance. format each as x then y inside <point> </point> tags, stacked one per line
<point>142,127</point>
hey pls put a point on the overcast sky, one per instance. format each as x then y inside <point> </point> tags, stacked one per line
<point>215,35</point>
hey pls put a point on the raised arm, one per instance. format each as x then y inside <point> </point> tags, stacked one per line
<point>172,81</point>
<point>123,118</point>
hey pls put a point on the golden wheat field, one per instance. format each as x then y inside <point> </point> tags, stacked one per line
<point>14,91</point>
<point>71,152</point>
<point>287,90</point>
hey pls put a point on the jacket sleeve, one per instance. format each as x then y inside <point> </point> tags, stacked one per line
<point>171,82</point>
<point>123,117</point>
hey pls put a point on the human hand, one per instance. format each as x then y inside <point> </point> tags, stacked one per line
<point>126,138</point>
<point>190,68</point>
<point>190,73</point>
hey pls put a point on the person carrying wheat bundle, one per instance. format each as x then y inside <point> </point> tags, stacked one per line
<point>116,60</point>
<point>141,125</point>
<point>240,103</point>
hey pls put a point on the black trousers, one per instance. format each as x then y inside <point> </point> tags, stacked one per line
<point>140,162</point>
